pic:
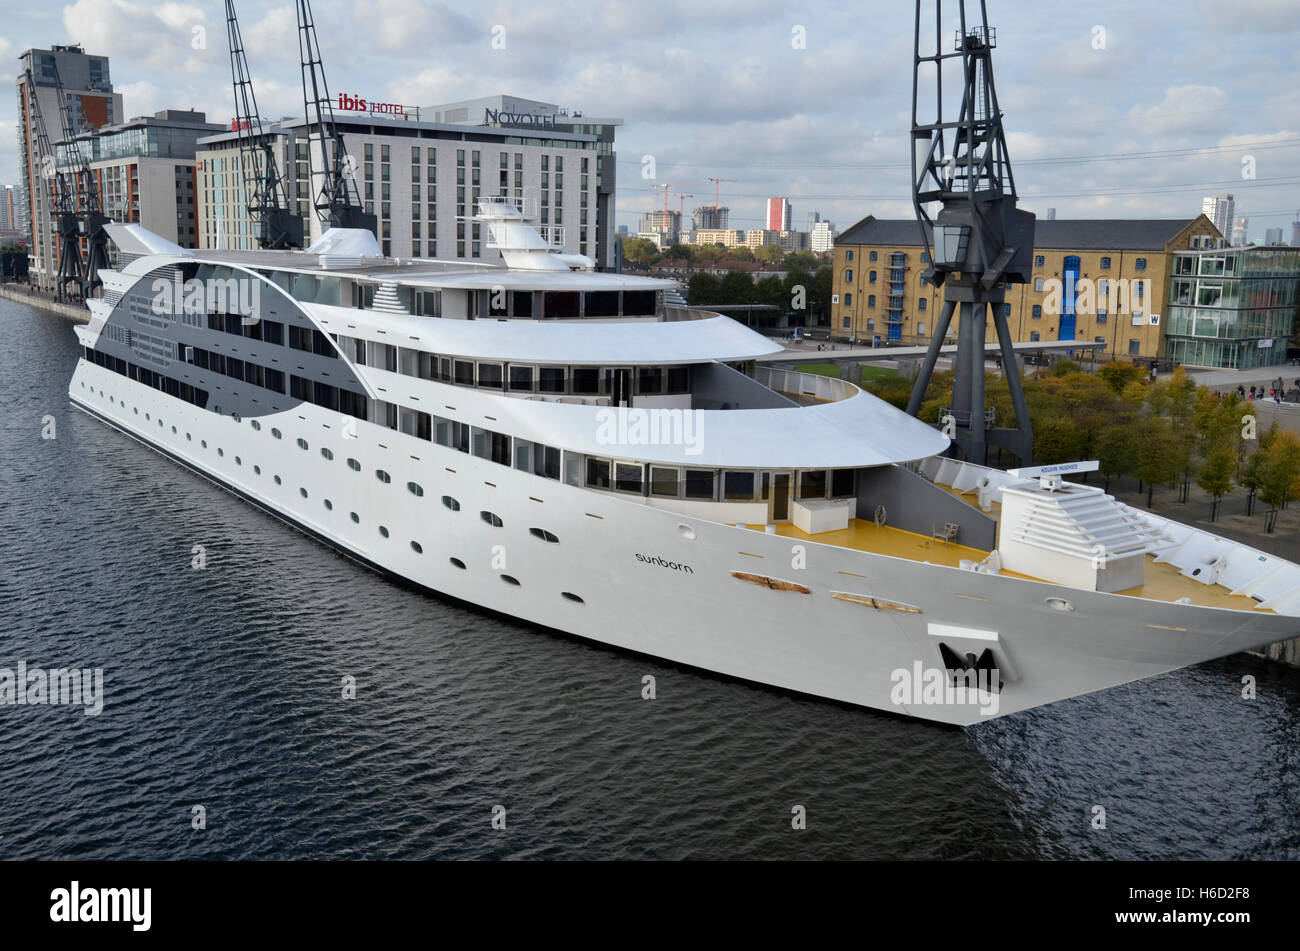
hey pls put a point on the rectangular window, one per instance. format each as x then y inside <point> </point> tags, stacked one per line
<point>550,379</point>
<point>628,477</point>
<point>699,484</point>
<point>546,461</point>
<point>521,378</point>
<point>738,486</point>
<point>649,380</point>
<point>489,374</point>
<point>812,484</point>
<point>664,482</point>
<point>598,473</point>
<point>586,380</point>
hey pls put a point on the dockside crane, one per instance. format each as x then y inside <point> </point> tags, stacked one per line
<point>978,241</point>
<point>339,202</point>
<point>90,211</point>
<point>62,204</point>
<point>275,225</point>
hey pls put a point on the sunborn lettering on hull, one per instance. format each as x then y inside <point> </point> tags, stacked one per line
<point>656,560</point>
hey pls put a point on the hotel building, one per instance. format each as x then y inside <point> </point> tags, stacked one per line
<point>421,179</point>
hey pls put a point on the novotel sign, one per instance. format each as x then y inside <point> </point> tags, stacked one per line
<point>500,117</point>
<point>350,103</point>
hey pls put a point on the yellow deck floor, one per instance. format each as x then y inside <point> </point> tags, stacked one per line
<point>1164,582</point>
<point>864,535</point>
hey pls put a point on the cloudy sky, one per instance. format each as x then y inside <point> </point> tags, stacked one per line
<point>1119,109</point>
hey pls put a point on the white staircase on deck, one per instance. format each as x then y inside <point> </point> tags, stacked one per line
<point>387,301</point>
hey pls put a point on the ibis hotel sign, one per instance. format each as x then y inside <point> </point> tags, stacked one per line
<point>534,120</point>
<point>350,103</point>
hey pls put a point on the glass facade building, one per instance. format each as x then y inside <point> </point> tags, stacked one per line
<point>1232,307</point>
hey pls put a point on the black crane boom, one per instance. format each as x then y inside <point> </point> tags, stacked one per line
<point>338,202</point>
<point>274,224</point>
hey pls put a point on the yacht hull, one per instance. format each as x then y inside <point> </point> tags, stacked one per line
<point>849,625</point>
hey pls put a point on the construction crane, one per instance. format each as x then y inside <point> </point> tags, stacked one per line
<point>669,185</point>
<point>716,183</point>
<point>275,225</point>
<point>62,204</point>
<point>90,212</point>
<point>978,242</point>
<point>335,202</point>
<point>681,205</point>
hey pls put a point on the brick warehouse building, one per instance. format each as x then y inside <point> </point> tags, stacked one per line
<point>878,294</point>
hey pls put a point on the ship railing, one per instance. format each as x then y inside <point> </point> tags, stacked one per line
<point>491,207</point>
<point>810,386</point>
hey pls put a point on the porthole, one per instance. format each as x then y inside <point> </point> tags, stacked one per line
<point>383,531</point>
<point>491,519</point>
<point>302,492</point>
<point>257,470</point>
<point>414,489</point>
<point>355,517</point>
<point>203,443</point>
<point>256,424</point>
<point>147,416</point>
<point>160,424</point>
<point>238,461</point>
<point>221,452</point>
<point>458,563</point>
<point>275,433</point>
<point>383,476</point>
<point>326,453</point>
<point>451,503</point>
<point>417,548</point>
<point>277,480</point>
<point>137,411</point>
<point>511,580</point>
<point>173,430</point>
<point>570,596</point>
<point>189,438</point>
<point>329,506</point>
<point>302,443</point>
<point>544,535</point>
<point>354,465</point>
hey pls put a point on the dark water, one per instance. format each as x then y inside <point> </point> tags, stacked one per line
<point>223,690</point>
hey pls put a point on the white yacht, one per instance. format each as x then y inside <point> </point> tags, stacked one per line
<point>569,448</point>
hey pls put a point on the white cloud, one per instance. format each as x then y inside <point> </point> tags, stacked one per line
<point>1192,108</point>
<point>171,36</point>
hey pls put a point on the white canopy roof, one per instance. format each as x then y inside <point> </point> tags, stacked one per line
<point>590,342</point>
<point>860,430</point>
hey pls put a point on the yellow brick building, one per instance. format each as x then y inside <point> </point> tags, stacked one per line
<point>1103,280</point>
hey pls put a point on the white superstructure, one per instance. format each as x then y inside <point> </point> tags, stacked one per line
<point>559,445</point>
